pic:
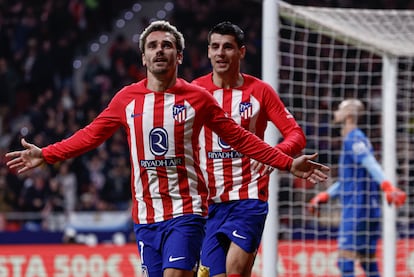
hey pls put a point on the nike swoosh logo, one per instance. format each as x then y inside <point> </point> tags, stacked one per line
<point>172,259</point>
<point>136,114</point>
<point>235,234</point>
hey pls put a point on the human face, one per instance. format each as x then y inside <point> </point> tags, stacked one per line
<point>224,54</point>
<point>160,53</point>
<point>339,115</point>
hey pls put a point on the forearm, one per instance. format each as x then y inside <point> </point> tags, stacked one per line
<point>374,168</point>
<point>293,143</point>
<point>334,190</point>
<point>80,142</point>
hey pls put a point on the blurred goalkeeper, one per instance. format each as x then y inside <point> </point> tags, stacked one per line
<point>359,187</point>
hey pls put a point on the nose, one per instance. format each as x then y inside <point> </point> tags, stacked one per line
<point>159,47</point>
<point>220,50</point>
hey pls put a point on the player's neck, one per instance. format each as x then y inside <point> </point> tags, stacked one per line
<point>228,80</point>
<point>160,83</point>
<point>348,127</point>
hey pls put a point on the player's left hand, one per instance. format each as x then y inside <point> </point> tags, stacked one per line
<point>393,194</point>
<point>261,168</point>
<point>304,167</point>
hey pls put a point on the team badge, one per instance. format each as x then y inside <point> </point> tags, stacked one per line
<point>245,110</point>
<point>179,113</point>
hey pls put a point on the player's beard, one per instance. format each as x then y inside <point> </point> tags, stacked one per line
<point>159,70</point>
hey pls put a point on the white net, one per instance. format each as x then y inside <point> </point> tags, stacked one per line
<point>327,55</point>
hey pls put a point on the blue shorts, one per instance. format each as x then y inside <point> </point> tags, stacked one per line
<point>359,235</point>
<point>241,222</point>
<point>173,243</point>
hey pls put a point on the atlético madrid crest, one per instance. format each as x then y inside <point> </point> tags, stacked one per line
<point>245,110</point>
<point>179,113</point>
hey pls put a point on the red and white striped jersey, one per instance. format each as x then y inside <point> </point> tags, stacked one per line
<point>163,131</point>
<point>252,105</point>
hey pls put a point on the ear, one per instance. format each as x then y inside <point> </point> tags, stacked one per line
<point>143,59</point>
<point>180,57</point>
<point>242,51</point>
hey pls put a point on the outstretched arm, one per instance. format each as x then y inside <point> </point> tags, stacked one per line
<point>393,194</point>
<point>26,159</point>
<point>323,197</point>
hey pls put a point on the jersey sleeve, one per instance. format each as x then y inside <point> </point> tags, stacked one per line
<point>242,140</point>
<point>373,167</point>
<point>294,139</point>
<point>86,139</point>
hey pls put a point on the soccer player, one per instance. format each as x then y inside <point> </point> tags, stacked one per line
<point>359,187</point>
<point>162,116</point>
<point>238,185</point>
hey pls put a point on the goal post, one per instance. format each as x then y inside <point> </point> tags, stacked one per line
<point>325,56</point>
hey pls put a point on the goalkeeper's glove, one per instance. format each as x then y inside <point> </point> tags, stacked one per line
<point>320,198</point>
<point>393,194</point>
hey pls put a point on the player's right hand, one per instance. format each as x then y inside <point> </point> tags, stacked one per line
<point>24,160</point>
<point>318,199</point>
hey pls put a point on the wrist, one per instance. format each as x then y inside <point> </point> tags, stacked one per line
<point>386,185</point>
<point>289,164</point>
<point>324,196</point>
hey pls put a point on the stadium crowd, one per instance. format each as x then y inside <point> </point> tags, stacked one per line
<point>38,42</point>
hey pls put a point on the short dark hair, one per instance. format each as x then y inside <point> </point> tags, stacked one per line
<point>228,28</point>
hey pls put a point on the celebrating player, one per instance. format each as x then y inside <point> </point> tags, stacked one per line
<point>238,185</point>
<point>359,186</point>
<point>162,116</point>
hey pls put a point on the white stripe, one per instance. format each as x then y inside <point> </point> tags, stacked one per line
<point>203,153</point>
<point>217,164</point>
<point>189,160</point>
<point>253,188</point>
<point>237,170</point>
<point>173,184</point>
<point>255,113</point>
<point>147,126</point>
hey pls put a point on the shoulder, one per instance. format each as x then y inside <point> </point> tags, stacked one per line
<point>357,135</point>
<point>190,90</point>
<point>129,91</point>
<point>134,87</point>
<point>204,81</point>
<point>357,141</point>
<point>258,84</point>
<point>188,87</point>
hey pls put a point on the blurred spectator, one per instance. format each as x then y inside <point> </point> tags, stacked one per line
<point>69,184</point>
<point>34,199</point>
<point>55,197</point>
<point>7,196</point>
<point>9,80</point>
<point>116,191</point>
<point>124,62</point>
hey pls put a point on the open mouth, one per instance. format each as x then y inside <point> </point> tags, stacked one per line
<point>160,60</point>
